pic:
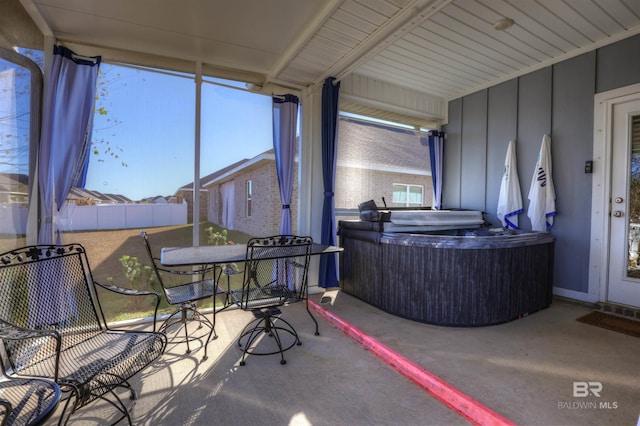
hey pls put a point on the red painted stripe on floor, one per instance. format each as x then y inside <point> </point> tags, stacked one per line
<point>461,403</point>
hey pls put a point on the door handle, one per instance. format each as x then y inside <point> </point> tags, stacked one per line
<point>618,213</point>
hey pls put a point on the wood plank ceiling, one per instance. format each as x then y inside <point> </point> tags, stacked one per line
<point>442,48</point>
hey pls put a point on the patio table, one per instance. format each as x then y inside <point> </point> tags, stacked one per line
<point>224,254</point>
<point>231,253</point>
<point>201,255</point>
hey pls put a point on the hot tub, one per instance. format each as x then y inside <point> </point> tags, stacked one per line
<point>459,277</point>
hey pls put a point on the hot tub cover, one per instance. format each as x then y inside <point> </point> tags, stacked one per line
<point>424,220</point>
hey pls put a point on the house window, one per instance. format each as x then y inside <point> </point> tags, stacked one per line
<point>407,195</point>
<point>249,195</point>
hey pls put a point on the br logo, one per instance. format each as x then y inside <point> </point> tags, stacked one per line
<point>584,389</point>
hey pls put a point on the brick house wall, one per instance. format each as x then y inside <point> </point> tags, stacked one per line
<point>266,207</point>
<point>187,195</point>
<point>355,185</point>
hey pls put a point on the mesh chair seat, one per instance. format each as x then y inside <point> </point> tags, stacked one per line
<point>101,361</point>
<point>27,401</point>
<point>259,298</point>
<point>190,292</point>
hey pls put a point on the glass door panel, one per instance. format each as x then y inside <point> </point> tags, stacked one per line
<point>633,206</point>
<point>624,267</point>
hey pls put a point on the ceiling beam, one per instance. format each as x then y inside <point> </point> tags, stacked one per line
<point>301,41</point>
<point>412,15</point>
<point>37,18</point>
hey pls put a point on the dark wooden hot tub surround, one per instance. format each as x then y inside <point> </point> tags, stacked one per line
<point>452,280</point>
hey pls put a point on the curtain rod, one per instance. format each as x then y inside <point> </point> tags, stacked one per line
<point>91,59</point>
<point>75,56</point>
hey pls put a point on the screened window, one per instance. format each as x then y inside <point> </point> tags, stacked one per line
<point>141,174</point>
<point>20,103</point>
<point>372,157</point>
<point>237,147</point>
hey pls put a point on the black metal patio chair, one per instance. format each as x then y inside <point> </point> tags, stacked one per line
<point>52,326</point>
<point>185,288</point>
<point>275,274</point>
<point>27,401</point>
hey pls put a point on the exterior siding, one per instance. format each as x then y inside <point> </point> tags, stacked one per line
<point>187,195</point>
<point>559,101</point>
<point>266,207</point>
<point>357,185</point>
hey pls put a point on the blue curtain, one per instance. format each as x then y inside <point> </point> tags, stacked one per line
<point>285,118</point>
<point>436,146</point>
<point>66,132</point>
<point>328,262</point>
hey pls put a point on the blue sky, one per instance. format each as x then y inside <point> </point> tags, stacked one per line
<point>144,143</point>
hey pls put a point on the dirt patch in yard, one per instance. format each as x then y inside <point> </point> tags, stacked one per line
<point>105,248</point>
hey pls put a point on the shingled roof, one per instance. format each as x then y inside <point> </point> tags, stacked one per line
<point>14,182</point>
<point>377,145</point>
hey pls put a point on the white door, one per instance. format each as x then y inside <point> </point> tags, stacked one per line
<point>624,244</point>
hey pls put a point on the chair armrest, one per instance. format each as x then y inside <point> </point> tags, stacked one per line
<point>7,411</point>
<point>9,331</point>
<point>134,292</point>
<point>128,291</point>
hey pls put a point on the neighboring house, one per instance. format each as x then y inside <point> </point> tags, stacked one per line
<point>14,188</point>
<point>159,200</point>
<point>373,159</point>
<point>185,193</point>
<point>82,196</point>
<point>376,161</point>
<point>119,199</point>
<point>245,196</point>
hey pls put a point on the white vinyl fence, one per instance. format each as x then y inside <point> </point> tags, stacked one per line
<point>13,217</point>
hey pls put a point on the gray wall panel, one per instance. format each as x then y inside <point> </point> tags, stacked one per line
<point>474,151</point>
<point>501,128</point>
<point>618,64</point>
<point>571,146</point>
<point>534,121</point>
<point>451,157</point>
<point>558,101</point>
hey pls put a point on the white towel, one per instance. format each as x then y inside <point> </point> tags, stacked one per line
<point>542,195</point>
<point>510,199</point>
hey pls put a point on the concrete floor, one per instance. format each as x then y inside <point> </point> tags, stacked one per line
<point>524,370</point>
